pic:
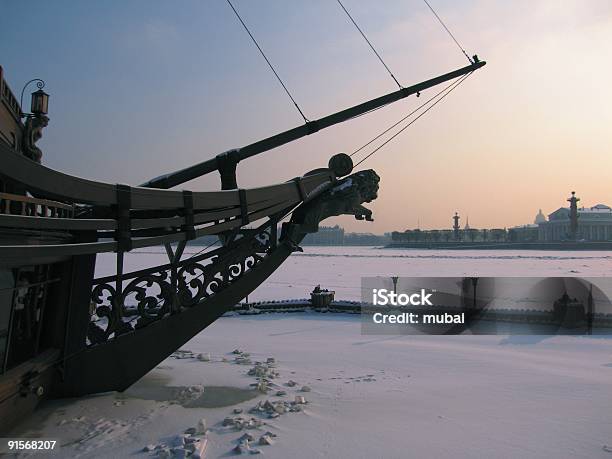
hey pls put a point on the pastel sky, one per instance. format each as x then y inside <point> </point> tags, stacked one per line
<point>140,88</point>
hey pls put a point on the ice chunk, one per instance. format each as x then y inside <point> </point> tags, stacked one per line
<point>202,426</point>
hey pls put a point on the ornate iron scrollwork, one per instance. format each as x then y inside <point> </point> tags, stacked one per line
<point>147,296</point>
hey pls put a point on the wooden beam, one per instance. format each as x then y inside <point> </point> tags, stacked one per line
<point>184,175</point>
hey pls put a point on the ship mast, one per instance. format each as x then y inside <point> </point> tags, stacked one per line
<point>226,162</point>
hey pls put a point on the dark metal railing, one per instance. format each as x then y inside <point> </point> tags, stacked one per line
<point>124,302</point>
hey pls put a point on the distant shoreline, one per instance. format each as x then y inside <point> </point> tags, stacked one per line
<point>462,245</point>
<point>601,321</point>
<point>465,245</point>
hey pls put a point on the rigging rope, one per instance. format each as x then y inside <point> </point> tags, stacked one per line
<point>402,119</point>
<point>201,250</point>
<point>448,90</point>
<point>368,42</point>
<point>268,61</point>
<point>449,32</point>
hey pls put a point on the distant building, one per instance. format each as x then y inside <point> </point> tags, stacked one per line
<point>524,233</point>
<point>327,235</point>
<point>570,223</point>
<point>594,224</point>
<point>335,235</point>
<point>365,239</point>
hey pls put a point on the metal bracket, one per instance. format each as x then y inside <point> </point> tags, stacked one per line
<point>188,227</point>
<point>124,204</point>
<point>312,127</point>
<point>244,210</point>
<point>226,164</point>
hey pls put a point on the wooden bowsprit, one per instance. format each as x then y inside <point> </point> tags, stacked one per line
<point>226,162</point>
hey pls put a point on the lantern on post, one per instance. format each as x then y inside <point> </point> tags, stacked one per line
<point>35,121</point>
<point>40,102</point>
<point>40,99</point>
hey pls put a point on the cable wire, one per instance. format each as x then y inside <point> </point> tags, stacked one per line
<point>401,120</point>
<point>449,32</point>
<point>451,89</point>
<point>268,61</point>
<point>368,42</point>
<point>202,250</point>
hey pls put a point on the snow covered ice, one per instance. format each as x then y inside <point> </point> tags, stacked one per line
<point>367,396</point>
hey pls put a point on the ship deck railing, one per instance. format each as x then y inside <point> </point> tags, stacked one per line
<point>14,204</point>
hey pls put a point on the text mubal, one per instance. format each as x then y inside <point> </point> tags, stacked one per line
<point>415,318</point>
<point>384,297</point>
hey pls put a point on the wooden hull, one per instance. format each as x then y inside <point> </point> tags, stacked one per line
<point>122,361</point>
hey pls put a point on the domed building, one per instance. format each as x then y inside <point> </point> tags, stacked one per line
<point>539,218</point>
<point>593,224</point>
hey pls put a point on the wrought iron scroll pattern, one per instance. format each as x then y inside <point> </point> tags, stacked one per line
<point>153,294</point>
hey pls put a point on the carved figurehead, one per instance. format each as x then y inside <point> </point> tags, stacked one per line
<point>345,198</point>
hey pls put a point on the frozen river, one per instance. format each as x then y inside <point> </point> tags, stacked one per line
<point>341,268</point>
<point>389,397</point>
<point>369,396</point>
